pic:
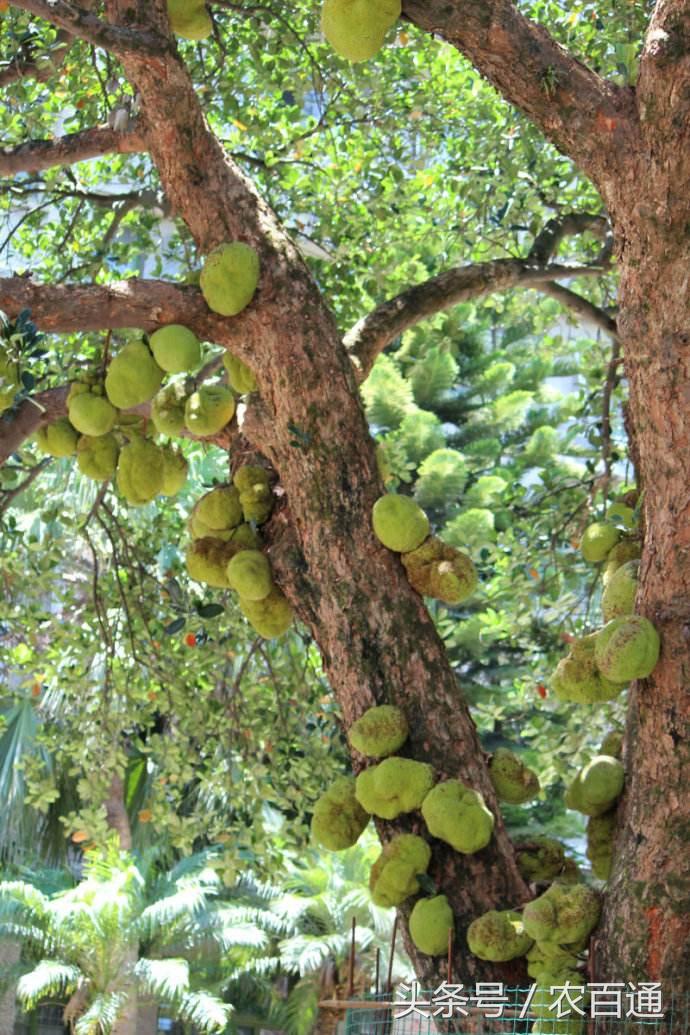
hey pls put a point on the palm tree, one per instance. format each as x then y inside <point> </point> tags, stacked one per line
<point>109,942</point>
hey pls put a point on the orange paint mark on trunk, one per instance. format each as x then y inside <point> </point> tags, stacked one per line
<point>655,921</point>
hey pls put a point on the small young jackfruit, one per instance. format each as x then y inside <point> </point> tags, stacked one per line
<point>627,648</point>
<point>175,348</point>
<point>547,960</point>
<point>229,278</point>
<point>209,409</point>
<point>513,781</point>
<point>89,412</point>
<point>430,921</point>
<point>133,376</point>
<point>540,858</point>
<point>217,511</point>
<point>621,514</point>
<point>437,570</point>
<point>394,875</point>
<point>10,379</point>
<point>600,835</point>
<point>207,561</point>
<point>140,471</point>
<point>58,439</point>
<point>544,1003</point>
<point>596,786</point>
<point>240,377</point>
<point>597,540</point>
<point>626,550</point>
<point>356,28</point>
<point>249,574</point>
<point>612,744</point>
<point>97,456</point>
<point>167,409</point>
<point>394,786</point>
<point>270,617</point>
<point>618,597</point>
<point>498,936</point>
<point>565,913</point>
<point>457,814</point>
<point>338,818</point>
<point>399,523</point>
<point>380,732</point>
<point>256,497</point>
<point>175,469</point>
<point>189,19</point>
<point>577,677</point>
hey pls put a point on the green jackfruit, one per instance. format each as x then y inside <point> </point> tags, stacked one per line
<point>97,456</point>
<point>627,648</point>
<point>229,278</point>
<point>394,786</point>
<point>175,348</point>
<point>394,875</point>
<point>597,540</point>
<point>167,409</point>
<point>209,409</point>
<point>256,497</point>
<point>565,913</point>
<point>540,858</point>
<point>133,376</point>
<point>175,469</point>
<point>612,744</point>
<point>249,574</point>
<point>618,597</point>
<point>399,523</point>
<point>207,561</point>
<point>437,570</point>
<point>457,814</point>
<point>577,677</point>
<point>381,731</point>
<point>498,936</point>
<point>621,514</point>
<point>270,617</point>
<point>596,786</point>
<point>217,511</point>
<point>140,471</point>
<point>544,1003</point>
<point>430,922</point>
<point>189,19</point>
<point>338,819</point>
<point>546,960</point>
<point>10,379</point>
<point>356,28</point>
<point>89,412</point>
<point>58,439</point>
<point>626,550</point>
<point>600,836</point>
<point>513,781</point>
<point>240,377</point>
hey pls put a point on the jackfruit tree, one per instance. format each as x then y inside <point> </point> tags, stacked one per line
<point>379,242</point>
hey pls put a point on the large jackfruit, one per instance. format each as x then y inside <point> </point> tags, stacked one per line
<point>356,28</point>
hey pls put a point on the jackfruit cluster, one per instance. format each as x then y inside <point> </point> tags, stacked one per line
<point>380,732</point>
<point>338,819</point>
<point>394,875</point>
<point>356,28</point>
<point>513,781</point>
<point>189,19</point>
<point>458,815</point>
<point>597,786</point>
<point>394,786</point>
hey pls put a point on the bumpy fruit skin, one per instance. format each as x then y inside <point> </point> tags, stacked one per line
<point>430,921</point>
<point>600,834</point>
<point>540,858</point>
<point>393,876</point>
<point>513,781</point>
<point>270,617</point>
<point>338,819</point>
<point>175,469</point>
<point>249,574</point>
<point>209,409</point>
<point>133,376</point>
<point>612,744</point>
<point>547,960</point>
<point>256,497</point>
<point>175,348</point>
<point>217,511</point>
<point>597,540</point>
<point>97,457</point>
<point>394,786</point>
<point>356,28</point>
<point>563,914</point>
<point>167,409</point>
<point>457,814</point>
<point>58,439</point>
<point>229,278</point>
<point>618,597</point>
<point>89,412</point>
<point>437,570</point>
<point>240,377</point>
<point>626,550</point>
<point>498,936</point>
<point>627,648</point>
<point>140,471</point>
<point>597,786</point>
<point>544,1004</point>
<point>399,523</point>
<point>380,732</point>
<point>207,561</point>
<point>189,19</point>
<point>578,679</point>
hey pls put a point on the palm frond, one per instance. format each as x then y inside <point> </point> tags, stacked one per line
<point>49,978</point>
<point>101,1015</point>
<point>163,979</point>
<point>209,1014</point>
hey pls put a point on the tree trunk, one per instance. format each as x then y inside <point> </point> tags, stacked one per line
<point>9,954</point>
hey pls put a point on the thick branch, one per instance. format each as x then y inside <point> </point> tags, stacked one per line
<point>586,117</point>
<point>88,27</point>
<point>35,155</point>
<point>581,307</point>
<point>548,240</point>
<point>375,331</point>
